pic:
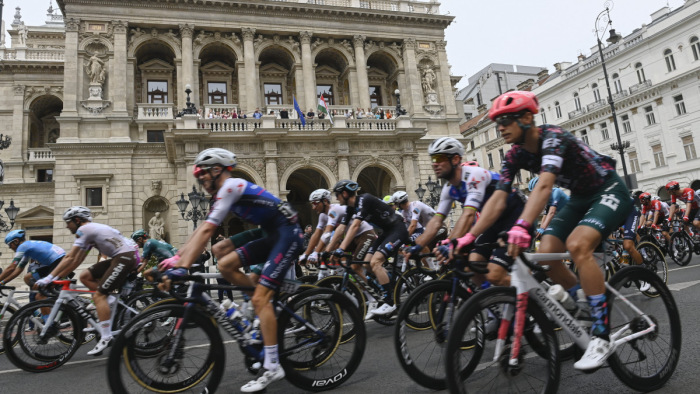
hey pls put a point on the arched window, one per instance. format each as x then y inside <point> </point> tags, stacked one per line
<point>640,72</point>
<point>596,92</point>
<point>557,109</point>
<point>617,83</point>
<point>577,102</point>
<point>670,63</point>
<point>695,44</point>
<point>544,118</point>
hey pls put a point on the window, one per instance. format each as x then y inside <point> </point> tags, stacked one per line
<point>577,102</point>
<point>544,117</point>
<point>604,131</point>
<point>626,126</point>
<point>695,44</point>
<point>679,104</point>
<point>217,93</point>
<point>375,96</point>
<point>478,98</point>
<point>486,135</point>
<point>472,145</point>
<point>640,73</point>
<point>327,92</point>
<point>670,63</point>
<point>557,109</point>
<point>93,196</point>
<point>596,92</point>
<point>273,93</point>
<point>44,175</point>
<point>584,137</point>
<point>155,136</point>
<point>689,147</point>
<point>658,155</point>
<point>634,162</point>
<point>649,114</point>
<point>490,157</point>
<point>617,83</point>
<point>502,155</point>
<point>157,92</point>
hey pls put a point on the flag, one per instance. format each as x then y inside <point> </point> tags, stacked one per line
<point>299,111</point>
<point>323,107</point>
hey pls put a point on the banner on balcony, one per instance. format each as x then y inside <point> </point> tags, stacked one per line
<point>323,108</point>
<point>302,118</point>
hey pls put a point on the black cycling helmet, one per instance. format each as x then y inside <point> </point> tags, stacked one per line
<point>346,185</point>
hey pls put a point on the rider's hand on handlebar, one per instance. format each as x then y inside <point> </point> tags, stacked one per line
<point>43,282</point>
<point>518,238</point>
<point>313,258</point>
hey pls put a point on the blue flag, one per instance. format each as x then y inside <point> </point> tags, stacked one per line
<point>302,118</point>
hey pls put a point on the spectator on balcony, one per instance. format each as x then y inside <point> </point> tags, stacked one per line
<point>321,115</point>
<point>284,114</point>
<point>234,115</point>
<point>200,113</point>
<point>210,115</point>
<point>348,114</point>
<point>310,115</point>
<point>388,115</point>
<point>257,114</point>
<point>359,114</point>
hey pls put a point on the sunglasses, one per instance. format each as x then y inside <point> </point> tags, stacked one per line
<point>439,158</point>
<point>199,171</point>
<point>314,203</point>
<point>506,120</point>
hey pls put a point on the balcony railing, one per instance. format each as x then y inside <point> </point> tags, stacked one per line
<point>598,104</point>
<point>311,125</point>
<point>40,155</point>
<point>640,86</point>
<point>219,110</point>
<point>372,124</point>
<point>155,111</point>
<point>620,95</point>
<point>578,112</point>
<point>224,125</point>
<point>382,5</point>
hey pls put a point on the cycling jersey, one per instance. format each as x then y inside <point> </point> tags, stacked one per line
<point>689,196</point>
<point>160,249</point>
<point>557,199</point>
<point>656,206</point>
<point>418,211</point>
<point>107,240</point>
<point>337,214</point>
<point>474,189</point>
<point>372,210</point>
<point>44,253</point>
<point>578,167</point>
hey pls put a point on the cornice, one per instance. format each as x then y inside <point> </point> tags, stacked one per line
<point>27,188</point>
<point>93,149</point>
<point>29,66</point>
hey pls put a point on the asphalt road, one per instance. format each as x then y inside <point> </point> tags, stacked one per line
<point>380,371</point>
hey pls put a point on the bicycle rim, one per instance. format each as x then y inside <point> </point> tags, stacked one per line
<point>654,261</point>
<point>9,312</point>
<point>355,295</point>
<point>645,363</point>
<point>680,249</point>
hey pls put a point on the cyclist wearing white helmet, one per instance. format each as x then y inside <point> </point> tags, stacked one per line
<point>104,277</point>
<point>416,214</point>
<point>557,201</point>
<point>278,250</point>
<point>320,200</point>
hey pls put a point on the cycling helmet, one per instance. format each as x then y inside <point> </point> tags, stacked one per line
<point>213,156</point>
<point>514,102</point>
<point>673,185</point>
<point>470,164</point>
<point>532,183</point>
<point>645,197</point>
<point>446,146</point>
<point>13,235</point>
<point>77,212</point>
<point>346,184</point>
<point>399,197</point>
<point>387,199</point>
<point>138,234</point>
<point>655,198</point>
<point>320,194</point>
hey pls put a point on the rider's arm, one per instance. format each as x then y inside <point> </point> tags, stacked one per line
<point>193,248</point>
<point>73,259</point>
<point>313,241</point>
<point>431,229</point>
<point>548,218</point>
<point>337,236</point>
<point>656,218</point>
<point>464,223</point>
<point>350,235</point>
<point>10,273</point>
<point>491,212</point>
<point>412,227</point>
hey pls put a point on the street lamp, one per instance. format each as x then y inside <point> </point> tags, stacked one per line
<point>602,22</point>
<point>190,108</point>
<point>11,212</point>
<point>5,140</point>
<point>399,111</point>
<point>433,197</point>
<point>199,202</point>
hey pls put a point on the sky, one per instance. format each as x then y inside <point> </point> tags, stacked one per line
<point>529,33</point>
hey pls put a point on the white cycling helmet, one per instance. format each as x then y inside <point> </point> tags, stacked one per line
<point>213,156</point>
<point>399,197</point>
<point>655,198</point>
<point>77,212</point>
<point>446,146</point>
<point>320,194</point>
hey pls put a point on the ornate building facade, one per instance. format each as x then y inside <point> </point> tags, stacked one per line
<point>92,101</point>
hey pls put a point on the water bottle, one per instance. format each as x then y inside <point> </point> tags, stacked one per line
<point>562,296</point>
<point>322,271</point>
<point>226,305</point>
<point>625,258</point>
<point>237,319</point>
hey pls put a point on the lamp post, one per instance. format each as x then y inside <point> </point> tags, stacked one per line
<point>399,111</point>
<point>433,197</point>
<point>199,202</point>
<point>190,108</point>
<point>11,212</point>
<point>602,23</point>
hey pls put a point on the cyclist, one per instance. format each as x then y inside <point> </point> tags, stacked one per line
<point>416,214</point>
<point>629,239</point>
<point>598,204</point>
<point>103,277</point>
<point>656,214</point>
<point>45,257</point>
<point>320,200</point>
<point>278,250</point>
<point>389,201</point>
<point>557,200</point>
<point>161,250</point>
<point>374,211</point>
<point>690,197</point>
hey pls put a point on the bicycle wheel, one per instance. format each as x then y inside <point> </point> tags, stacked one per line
<point>314,357</point>
<point>34,353</point>
<point>653,260</point>
<point>4,319</point>
<point>409,281</point>
<point>422,327</point>
<point>680,249</point>
<point>480,369</point>
<point>137,303</point>
<point>645,363</point>
<point>354,294</point>
<point>197,366</point>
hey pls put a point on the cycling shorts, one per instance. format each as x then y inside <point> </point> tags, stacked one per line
<point>417,233</point>
<point>113,272</point>
<point>514,208</point>
<point>604,210</point>
<point>396,233</point>
<point>694,214</point>
<point>244,237</point>
<point>361,244</point>
<point>631,225</point>
<point>39,271</point>
<point>278,251</point>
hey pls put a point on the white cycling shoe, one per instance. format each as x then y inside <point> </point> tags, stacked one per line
<point>371,307</point>
<point>385,309</point>
<point>644,286</point>
<point>264,380</point>
<point>597,352</point>
<point>100,347</point>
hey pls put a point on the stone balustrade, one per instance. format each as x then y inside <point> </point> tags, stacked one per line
<point>155,111</point>
<point>229,125</point>
<point>40,155</point>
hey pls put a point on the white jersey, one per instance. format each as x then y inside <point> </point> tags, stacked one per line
<point>323,217</point>
<point>472,190</point>
<point>107,240</point>
<point>338,212</point>
<point>418,211</point>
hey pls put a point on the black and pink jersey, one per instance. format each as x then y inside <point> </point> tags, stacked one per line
<point>577,167</point>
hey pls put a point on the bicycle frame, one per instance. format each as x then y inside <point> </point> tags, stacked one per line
<point>10,300</point>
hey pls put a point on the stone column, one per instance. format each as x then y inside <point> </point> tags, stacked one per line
<point>413,98</point>
<point>343,152</point>
<point>22,143</point>
<point>118,79</point>
<point>307,64</point>
<point>354,93</point>
<point>186,31</point>
<point>298,89</point>
<point>240,80</point>
<point>251,74</point>
<point>70,70</point>
<point>448,99</point>
<point>361,64</point>
<point>409,175</point>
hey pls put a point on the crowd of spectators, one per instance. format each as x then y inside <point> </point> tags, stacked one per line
<point>284,113</point>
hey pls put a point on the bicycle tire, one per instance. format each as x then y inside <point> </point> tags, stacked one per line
<point>680,249</point>
<point>4,319</point>
<point>419,338</point>
<point>331,362</point>
<point>354,294</point>
<point>138,301</point>
<point>644,374</point>
<point>461,368</point>
<point>129,372</point>
<point>34,354</point>
<point>654,261</point>
<point>407,282</point>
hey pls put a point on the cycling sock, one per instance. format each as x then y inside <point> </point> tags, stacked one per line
<point>271,358</point>
<point>572,291</point>
<point>389,289</point>
<point>105,329</point>
<point>44,318</point>
<point>599,312</point>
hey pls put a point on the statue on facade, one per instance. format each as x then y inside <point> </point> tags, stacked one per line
<point>22,33</point>
<point>156,227</point>
<point>428,80</point>
<point>96,70</point>
<point>53,136</point>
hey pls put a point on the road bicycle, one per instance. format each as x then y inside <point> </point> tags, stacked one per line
<point>683,243</point>
<point>521,352</point>
<point>189,355</point>
<point>655,236</point>
<point>8,307</point>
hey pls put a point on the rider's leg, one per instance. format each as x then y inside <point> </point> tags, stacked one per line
<point>628,244</point>
<point>230,268</point>
<point>88,280</point>
<point>558,271</point>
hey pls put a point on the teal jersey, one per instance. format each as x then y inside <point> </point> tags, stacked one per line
<point>162,250</point>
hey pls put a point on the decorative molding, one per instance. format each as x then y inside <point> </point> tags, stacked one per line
<point>248,33</point>
<point>358,41</point>
<point>259,40</point>
<point>186,30</point>
<point>120,27</point>
<point>440,45</point>
<point>305,37</point>
<point>72,25</point>
<point>409,43</point>
<point>18,89</point>
<point>258,165</point>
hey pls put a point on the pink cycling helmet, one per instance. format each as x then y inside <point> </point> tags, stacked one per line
<point>470,164</point>
<point>513,102</point>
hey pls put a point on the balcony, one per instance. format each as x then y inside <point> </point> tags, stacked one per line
<point>381,5</point>
<point>598,104</point>
<point>577,113</point>
<point>156,111</point>
<point>640,86</point>
<point>620,95</point>
<point>40,155</point>
<point>372,124</point>
<point>229,125</point>
<point>217,110</point>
